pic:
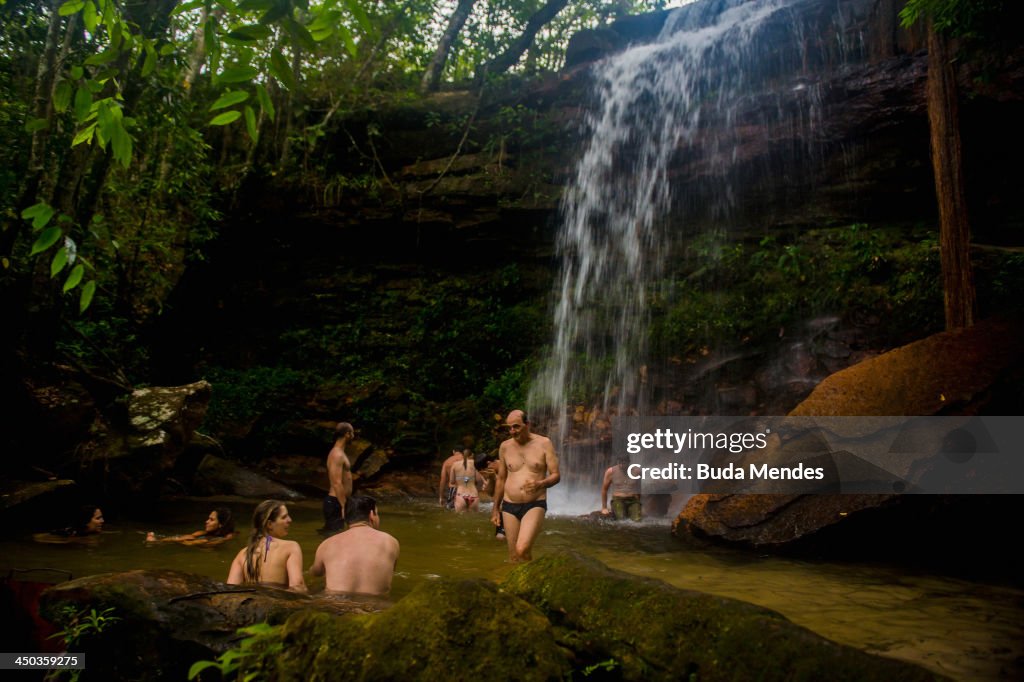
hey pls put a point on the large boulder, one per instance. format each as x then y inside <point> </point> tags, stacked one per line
<point>466,628</point>
<point>648,630</point>
<point>963,372</point>
<point>218,476</point>
<point>160,622</point>
<point>131,460</point>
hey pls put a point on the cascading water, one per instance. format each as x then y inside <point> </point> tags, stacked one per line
<point>654,103</point>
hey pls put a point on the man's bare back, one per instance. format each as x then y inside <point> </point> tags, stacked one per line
<point>362,559</point>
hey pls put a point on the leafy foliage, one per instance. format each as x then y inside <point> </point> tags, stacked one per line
<point>258,640</point>
<point>741,293</point>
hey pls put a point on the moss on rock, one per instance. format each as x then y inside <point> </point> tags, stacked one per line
<point>647,629</point>
<point>468,626</point>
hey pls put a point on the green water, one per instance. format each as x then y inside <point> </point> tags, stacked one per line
<point>962,629</point>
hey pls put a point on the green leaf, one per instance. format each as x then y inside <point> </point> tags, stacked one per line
<point>350,44</point>
<point>60,259</point>
<point>186,6</point>
<point>83,135</point>
<point>250,123</point>
<point>237,74</point>
<point>74,278</point>
<point>39,214</point>
<point>282,70</point>
<point>200,666</point>
<point>300,33</point>
<point>77,72</point>
<point>103,57</point>
<point>90,17</point>
<point>265,102</point>
<point>277,10</point>
<point>360,14</point>
<point>251,33</point>
<point>36,124</point>
<point>85,299</point>
<point>229,98</point>
<point>225,118</point>
<point>121,142</point>
<point>45,240</point>
<point>62,95</point>
<point>149,66</point>
<point>321,34</point>
<point>256,5</point>
<point>70,7</point>
<point>83,103</point>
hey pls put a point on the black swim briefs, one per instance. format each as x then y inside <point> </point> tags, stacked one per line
<point>519,509</point>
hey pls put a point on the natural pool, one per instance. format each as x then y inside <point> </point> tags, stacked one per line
<point>963,629</point>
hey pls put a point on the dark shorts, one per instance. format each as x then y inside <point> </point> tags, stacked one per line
<point>449,498</point>
<point>332,514</point>
<point>519,509</point>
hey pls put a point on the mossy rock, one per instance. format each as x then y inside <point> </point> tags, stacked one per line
<point>448,629</point>
<point>644,629</point>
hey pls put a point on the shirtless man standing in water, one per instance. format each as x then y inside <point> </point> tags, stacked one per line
<point>527,466</point>
<point>339,476</point>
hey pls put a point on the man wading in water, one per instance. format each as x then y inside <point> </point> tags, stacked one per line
<point>339,476</point>
<point>527,467</point>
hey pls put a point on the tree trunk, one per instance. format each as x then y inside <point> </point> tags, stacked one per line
<point>507,59</point>
<point>42,107</point>
<point>947,164</point>
<point>432,77</point>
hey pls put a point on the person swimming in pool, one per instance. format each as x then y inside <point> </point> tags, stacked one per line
<point>527,466</point>
<point>219,528</point>
<point>87,526</point>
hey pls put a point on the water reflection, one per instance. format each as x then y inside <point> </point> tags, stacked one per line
<point>962,629</point>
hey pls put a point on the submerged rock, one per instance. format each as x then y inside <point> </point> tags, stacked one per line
<point>644,629</point>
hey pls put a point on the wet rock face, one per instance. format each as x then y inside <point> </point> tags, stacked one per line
<point>963,372</point>
<point>131,460</point>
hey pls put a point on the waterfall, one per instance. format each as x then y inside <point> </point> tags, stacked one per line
<point>615,238</point>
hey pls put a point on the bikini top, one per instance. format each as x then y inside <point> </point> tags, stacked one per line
<point>468,474</point>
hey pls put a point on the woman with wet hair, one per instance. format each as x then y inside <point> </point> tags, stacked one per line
<point>219,528</point>
<point>87,524</point>
<point>269,559</point>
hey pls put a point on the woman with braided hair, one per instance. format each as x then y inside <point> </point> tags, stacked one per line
<point>269,559</point>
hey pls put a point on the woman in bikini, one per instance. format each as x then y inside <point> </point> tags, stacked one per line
<point>219,528</point>
<point>269,559</point>
<point>464,477</point>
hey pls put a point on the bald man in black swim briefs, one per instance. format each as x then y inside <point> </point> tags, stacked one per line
<point>527,466</point>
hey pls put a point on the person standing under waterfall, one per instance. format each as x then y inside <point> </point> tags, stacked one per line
<point>625,492</point>
<point>339,476</point>
<point>527,466</point>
